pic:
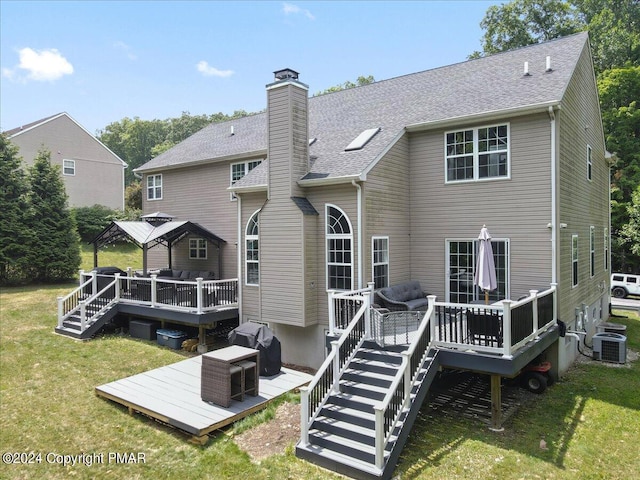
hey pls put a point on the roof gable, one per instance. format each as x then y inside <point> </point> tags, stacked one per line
<point>31,128</point>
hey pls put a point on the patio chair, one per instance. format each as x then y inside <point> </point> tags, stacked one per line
<point>484,328</point>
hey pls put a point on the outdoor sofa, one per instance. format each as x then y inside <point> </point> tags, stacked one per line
<point>404,296</point>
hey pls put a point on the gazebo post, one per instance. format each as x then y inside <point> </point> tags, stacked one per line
<point>169,244</point>
<point>144,259</point>
<point>95,255</point>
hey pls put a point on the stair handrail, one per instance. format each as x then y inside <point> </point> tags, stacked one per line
<point>326,379</point>
<point>70,303</point>
<point>405,376</point>
<point>99,295</point>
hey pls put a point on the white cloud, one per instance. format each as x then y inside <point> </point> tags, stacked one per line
<point>291,9</point>
<point>120,45</point>
<point>43,65</point>
<point>209,71</point>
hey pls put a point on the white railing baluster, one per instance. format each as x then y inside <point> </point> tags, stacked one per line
<point>117,288</point>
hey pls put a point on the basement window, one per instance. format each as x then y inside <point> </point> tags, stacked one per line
<point>361,140</point>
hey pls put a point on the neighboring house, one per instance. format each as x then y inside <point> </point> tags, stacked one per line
<point>393,181</point>
<point>92,174</point>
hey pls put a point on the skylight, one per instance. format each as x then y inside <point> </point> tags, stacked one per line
<point>362,139</point>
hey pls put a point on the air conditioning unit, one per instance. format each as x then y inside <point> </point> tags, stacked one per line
<point>609,327</point>
<point>610,347</point>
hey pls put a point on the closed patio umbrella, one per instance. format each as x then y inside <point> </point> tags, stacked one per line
<point>485,276</point>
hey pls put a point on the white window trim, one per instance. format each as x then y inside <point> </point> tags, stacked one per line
<point>606,249</point>
<point>198,248</point>
<point>246,164</point>
<point>329,236</point>
<point>592,251</point>
<point>72,166</point>
<point>154,187</point>
<point>248,237</point>
<point>575,252</point>
<point>476,154</point>
<point>447,251</point>
<point>589,163</point>
<point>373,262</point>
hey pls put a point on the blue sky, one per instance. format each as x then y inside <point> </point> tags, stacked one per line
<point>101,61</point>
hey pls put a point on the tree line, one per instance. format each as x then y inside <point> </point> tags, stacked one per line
<point>614,32</point>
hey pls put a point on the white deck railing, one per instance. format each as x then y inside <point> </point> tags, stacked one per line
<point>199,296</point>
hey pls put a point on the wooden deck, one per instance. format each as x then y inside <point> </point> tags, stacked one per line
<point>171,394</point>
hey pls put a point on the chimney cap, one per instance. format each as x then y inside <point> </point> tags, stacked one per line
<point>286,74</point>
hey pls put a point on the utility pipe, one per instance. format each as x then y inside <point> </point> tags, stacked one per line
<point>554,193</point>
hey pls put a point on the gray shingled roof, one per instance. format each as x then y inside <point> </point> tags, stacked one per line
<point>467,89</point>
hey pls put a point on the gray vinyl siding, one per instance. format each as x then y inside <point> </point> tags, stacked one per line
<point>582,203</point>
<point>200,195</point>
<point>287,139</point>
<point>250,293</point>
<point>517,209</point>
<point>387,206</point>
<point>344,197</point>
<point>99,174</point>
<point>283,265</point>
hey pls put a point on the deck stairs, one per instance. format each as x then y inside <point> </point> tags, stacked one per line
<point>98,314</point>
<point>342,436</point>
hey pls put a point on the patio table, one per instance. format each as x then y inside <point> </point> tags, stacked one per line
<point>229,373</point>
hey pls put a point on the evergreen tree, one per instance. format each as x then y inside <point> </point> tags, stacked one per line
<point>55,254</point>
<point>15,236</point>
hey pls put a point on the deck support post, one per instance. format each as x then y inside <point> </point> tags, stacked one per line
<point>534,307</point>
<point>496,404</point>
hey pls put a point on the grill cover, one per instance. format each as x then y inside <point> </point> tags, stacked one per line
<point>261,338</point>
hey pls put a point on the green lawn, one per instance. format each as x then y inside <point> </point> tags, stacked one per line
<point>590,420</point>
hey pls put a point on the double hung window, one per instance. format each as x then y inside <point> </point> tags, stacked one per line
<point>68,167</point>
<point>154,187</point>
<point>477,153</point>
<point>239,170</point>
<point>380,261</point>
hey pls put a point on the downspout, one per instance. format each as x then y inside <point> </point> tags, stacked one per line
<point>360,266</point>
<point>239,255</point>
<point>554,200</point>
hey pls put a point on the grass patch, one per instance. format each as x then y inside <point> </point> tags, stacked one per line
<point>590,419</point>
<point>120,255</point>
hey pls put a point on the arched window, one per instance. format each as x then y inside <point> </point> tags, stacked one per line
<point>252,252</point>
<point>339,250</point>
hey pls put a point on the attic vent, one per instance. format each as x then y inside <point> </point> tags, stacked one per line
<point>362,139</point>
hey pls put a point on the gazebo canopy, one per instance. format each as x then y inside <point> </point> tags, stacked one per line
<point>148,235</point>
